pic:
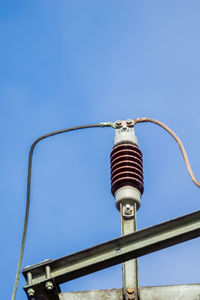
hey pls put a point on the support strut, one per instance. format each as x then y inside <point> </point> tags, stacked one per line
<point>130,268</point>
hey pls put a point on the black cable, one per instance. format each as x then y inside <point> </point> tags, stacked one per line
<point>29,190</point>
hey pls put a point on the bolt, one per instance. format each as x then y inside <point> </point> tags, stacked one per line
<point>124,127</point>
<point>130,291</point>
<point>128,121</point>
<point>29,278</point>
<point>118,123</point>
<point>49,285</point>
<point>30,292</point>
<point>48,272</point>
<point>131,294</point>
<point>128,207</point>
<point>128,211</point>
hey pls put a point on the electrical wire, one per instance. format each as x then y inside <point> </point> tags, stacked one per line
<point>103,124</point>
<point>173,134</point>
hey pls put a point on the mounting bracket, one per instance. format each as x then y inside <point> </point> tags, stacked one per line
<point>43,279</point>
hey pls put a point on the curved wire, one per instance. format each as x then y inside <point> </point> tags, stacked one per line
<point>142,120</point>
<point>104,124</point>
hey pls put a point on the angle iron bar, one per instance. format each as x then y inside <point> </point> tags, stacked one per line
<point>116,251</point>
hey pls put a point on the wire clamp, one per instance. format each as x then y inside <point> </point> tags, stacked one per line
<point>124,124</point>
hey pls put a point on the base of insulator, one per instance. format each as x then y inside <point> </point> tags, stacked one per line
<point>127,195</point>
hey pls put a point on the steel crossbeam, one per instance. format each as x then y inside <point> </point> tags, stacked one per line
<point>43,279</point>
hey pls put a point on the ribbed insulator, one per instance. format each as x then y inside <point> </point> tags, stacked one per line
<point>126,167</point>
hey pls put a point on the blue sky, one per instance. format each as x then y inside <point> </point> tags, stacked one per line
<point>66,63</point>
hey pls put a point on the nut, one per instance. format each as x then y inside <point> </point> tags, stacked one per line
<point>49,285</point>
<point>128,207</point>
<point>30,292</point>
<point>128,212</point>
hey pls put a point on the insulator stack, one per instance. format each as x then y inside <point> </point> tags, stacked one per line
<point>126,167</point>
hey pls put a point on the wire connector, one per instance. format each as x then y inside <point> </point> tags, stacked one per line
<point>107,124</point>
<point>119,124</point>
<point>126,123</point>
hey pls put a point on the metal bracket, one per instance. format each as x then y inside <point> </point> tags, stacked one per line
<point>108,254</point>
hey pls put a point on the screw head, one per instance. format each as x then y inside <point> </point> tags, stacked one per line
<point>118,122</point>
<point>30,292</point>
<point>128,121</point>
<point>49,285</point>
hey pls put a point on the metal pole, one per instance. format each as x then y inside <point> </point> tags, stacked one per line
<point>129,268</point>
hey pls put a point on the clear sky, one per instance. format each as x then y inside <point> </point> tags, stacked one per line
<point>66,63</point>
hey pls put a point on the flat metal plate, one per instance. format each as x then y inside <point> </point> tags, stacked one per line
<point>111,294</point>
<point>170,292</point>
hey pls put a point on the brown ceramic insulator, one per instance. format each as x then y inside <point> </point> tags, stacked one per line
<point>126,167</point>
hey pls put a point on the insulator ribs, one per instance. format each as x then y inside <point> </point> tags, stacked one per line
<point>126,167</point>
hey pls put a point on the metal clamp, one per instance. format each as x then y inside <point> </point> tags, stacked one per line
<point>124,124</point>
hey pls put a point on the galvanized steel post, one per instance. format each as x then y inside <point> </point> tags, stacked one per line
<point>130,268</point>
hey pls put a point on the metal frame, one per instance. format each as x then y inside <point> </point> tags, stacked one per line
<point>43,279</point>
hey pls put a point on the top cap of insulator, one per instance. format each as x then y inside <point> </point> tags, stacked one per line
<point>125,135</point>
